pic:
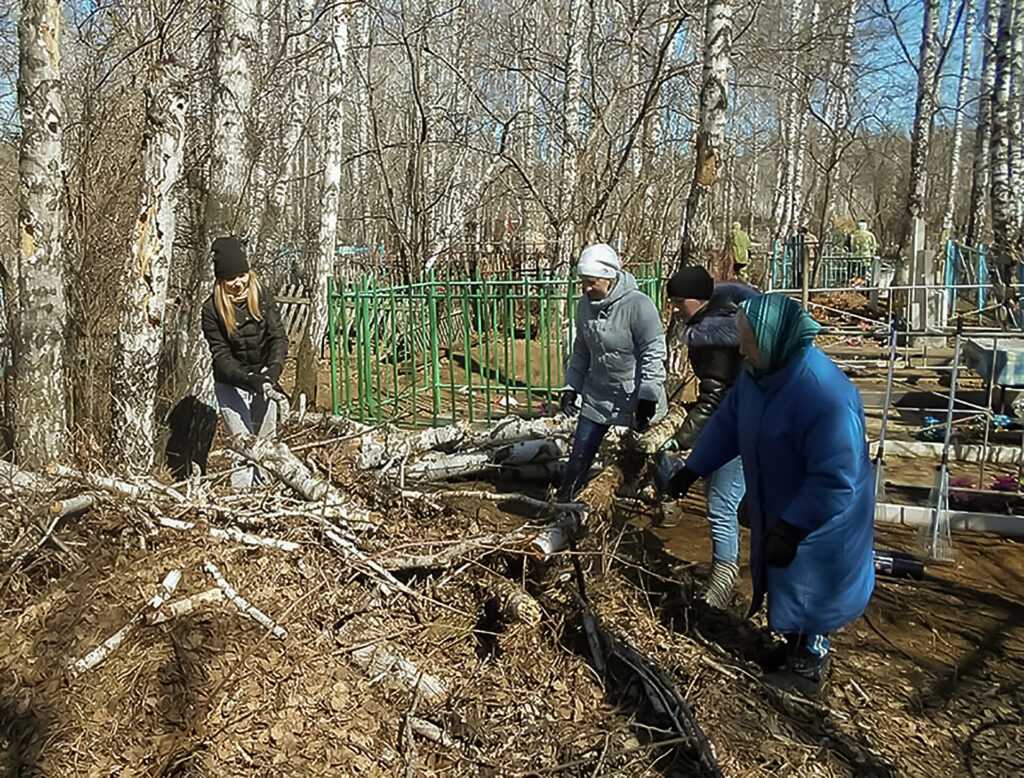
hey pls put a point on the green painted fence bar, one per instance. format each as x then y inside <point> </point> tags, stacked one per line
<point>454,349</point>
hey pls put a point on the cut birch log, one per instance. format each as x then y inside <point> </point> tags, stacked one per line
<point>243,605</point>
<point>651,441</point>
<point>111,644</point>
<point>515,606</point>
<point>379,661</point>
<point>104,483</point>
<point>381,447</point>
<point>278,460</point>
<point>13,477</point>
<point>72,505</point>
<point>428,730</point>
<point>438,467</point>
<point>531,452</point>
<point>184,606</point>
<point>448,556</point>
<point>231,534</point>
<point>514,429</point>
<point>475,494</point>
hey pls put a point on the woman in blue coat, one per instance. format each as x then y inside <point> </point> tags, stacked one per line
<point>798,424</point>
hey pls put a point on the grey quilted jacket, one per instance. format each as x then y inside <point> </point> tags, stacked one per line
<point>618,355</point>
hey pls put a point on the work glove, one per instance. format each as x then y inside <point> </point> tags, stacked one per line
<point>681,482</point>
<point>780,544</point>
<point>254,382</point>
<point>665,467</point>
<point>645,410</point>
<point>569,402</point>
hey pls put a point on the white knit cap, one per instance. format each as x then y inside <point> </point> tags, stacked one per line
<point>599,261</point>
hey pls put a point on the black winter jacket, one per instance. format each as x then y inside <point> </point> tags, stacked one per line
<point>713,347</point>
<point>256,344</point>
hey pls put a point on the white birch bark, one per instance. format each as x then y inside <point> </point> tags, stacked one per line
<point>980,172</point>
<point>958,121</point>
<point>331,193</point>
<point>40,434</point>
<point>1005,221</point>
<point>924,115</point>
<point>698,234</point>
<point>140,331</point>
<point>1016,112</point>
<point>575,41</point>
<point>802,139</point>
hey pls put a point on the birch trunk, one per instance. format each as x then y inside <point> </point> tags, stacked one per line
<point>958,122</point>
<point>782,209</point>
<point>924,115</point>
<point>41,433</point>
<point>1005,221</point>
<point>1016,110</point>
<point>981,171</point>
<point>235,30</point>
<point>698,235</point>
<point>797,206</point>
<point>322,264</point>
<point>140,331</point>
<point>575,40</point>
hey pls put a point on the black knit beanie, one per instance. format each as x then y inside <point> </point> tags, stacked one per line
<point>692,282</point>
<point>229,258</point>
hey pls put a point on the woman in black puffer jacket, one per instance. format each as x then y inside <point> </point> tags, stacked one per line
<point>249,345</point>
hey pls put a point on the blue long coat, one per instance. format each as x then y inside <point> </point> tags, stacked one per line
<point>802,437</point>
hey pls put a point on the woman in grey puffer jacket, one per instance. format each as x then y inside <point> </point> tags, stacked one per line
<point>617,363</point>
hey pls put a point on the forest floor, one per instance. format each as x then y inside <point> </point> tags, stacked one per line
<point>930,682</point>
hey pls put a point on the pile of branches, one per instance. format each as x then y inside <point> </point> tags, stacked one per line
<point>323,620</point>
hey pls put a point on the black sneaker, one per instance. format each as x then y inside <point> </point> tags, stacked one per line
<point>806,674</point>
<point>774,659</point>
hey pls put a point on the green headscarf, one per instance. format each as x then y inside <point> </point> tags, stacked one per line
<point>782,329</point>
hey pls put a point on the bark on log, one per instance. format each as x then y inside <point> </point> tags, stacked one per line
<point>184,606</point>
<point>438,467</point>
<point>82,502</point>
<point>111,644</point>
<point>12,477</point>
<point>278,460</point>
<point>379,660</point>
<point>515,606</point>
<point>243,605</point>
<point>451,555</point>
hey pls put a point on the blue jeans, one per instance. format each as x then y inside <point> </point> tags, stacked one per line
<point>585,445</point>
<point>725,489</point>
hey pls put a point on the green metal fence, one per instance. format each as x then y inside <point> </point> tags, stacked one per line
<point>448,349</point>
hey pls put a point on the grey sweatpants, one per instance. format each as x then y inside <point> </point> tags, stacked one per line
<point>245,411</point>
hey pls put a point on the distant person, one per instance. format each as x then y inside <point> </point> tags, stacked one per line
<point>863,242</point>
<point>708,311</point>
<point>739,248</point>
<point>798,423</point>
<point>805,247</point>
<point>617,365</point>
<point>249,345</point>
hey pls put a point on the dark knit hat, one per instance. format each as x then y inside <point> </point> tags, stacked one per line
<point>692,282</point>
<point>229,258</point>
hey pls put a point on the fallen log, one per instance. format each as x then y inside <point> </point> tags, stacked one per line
<point>72,505</point>
<point>475,494</point>
<point>452,554</point>
<point>13,477</point>
<point>378,448</point>
<point>439,467</point>
<point>278,460</point>
<point>134,489</point>
<point>244,606</point>
<point>515,606</point>
<point>379,661</point>
<point>231,534</point>
<point>184,606</point>
<point>111,644</point>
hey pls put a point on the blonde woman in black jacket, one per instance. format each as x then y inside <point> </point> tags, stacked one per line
<point>249,345</point>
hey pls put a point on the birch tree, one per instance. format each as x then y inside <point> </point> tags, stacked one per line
<point>41,433</point>
<point>1005,218</point>
<point>924,114</point>
<point>323,260</point>
<point>575,41</point>
<point>140,333</point>
<point>958,122</point>
<point>698,235</point>
<point>980,169</point>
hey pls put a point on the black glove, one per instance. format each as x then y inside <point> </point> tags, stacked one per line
<point>569,402</point>
<point>645,410</point>
<point>254,382</point>
<point>680,483</point>
<point>780,544</point>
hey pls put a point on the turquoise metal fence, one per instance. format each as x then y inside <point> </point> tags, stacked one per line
<point>835,267</point>
<point>451,349</point>
<point>966,276</point>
